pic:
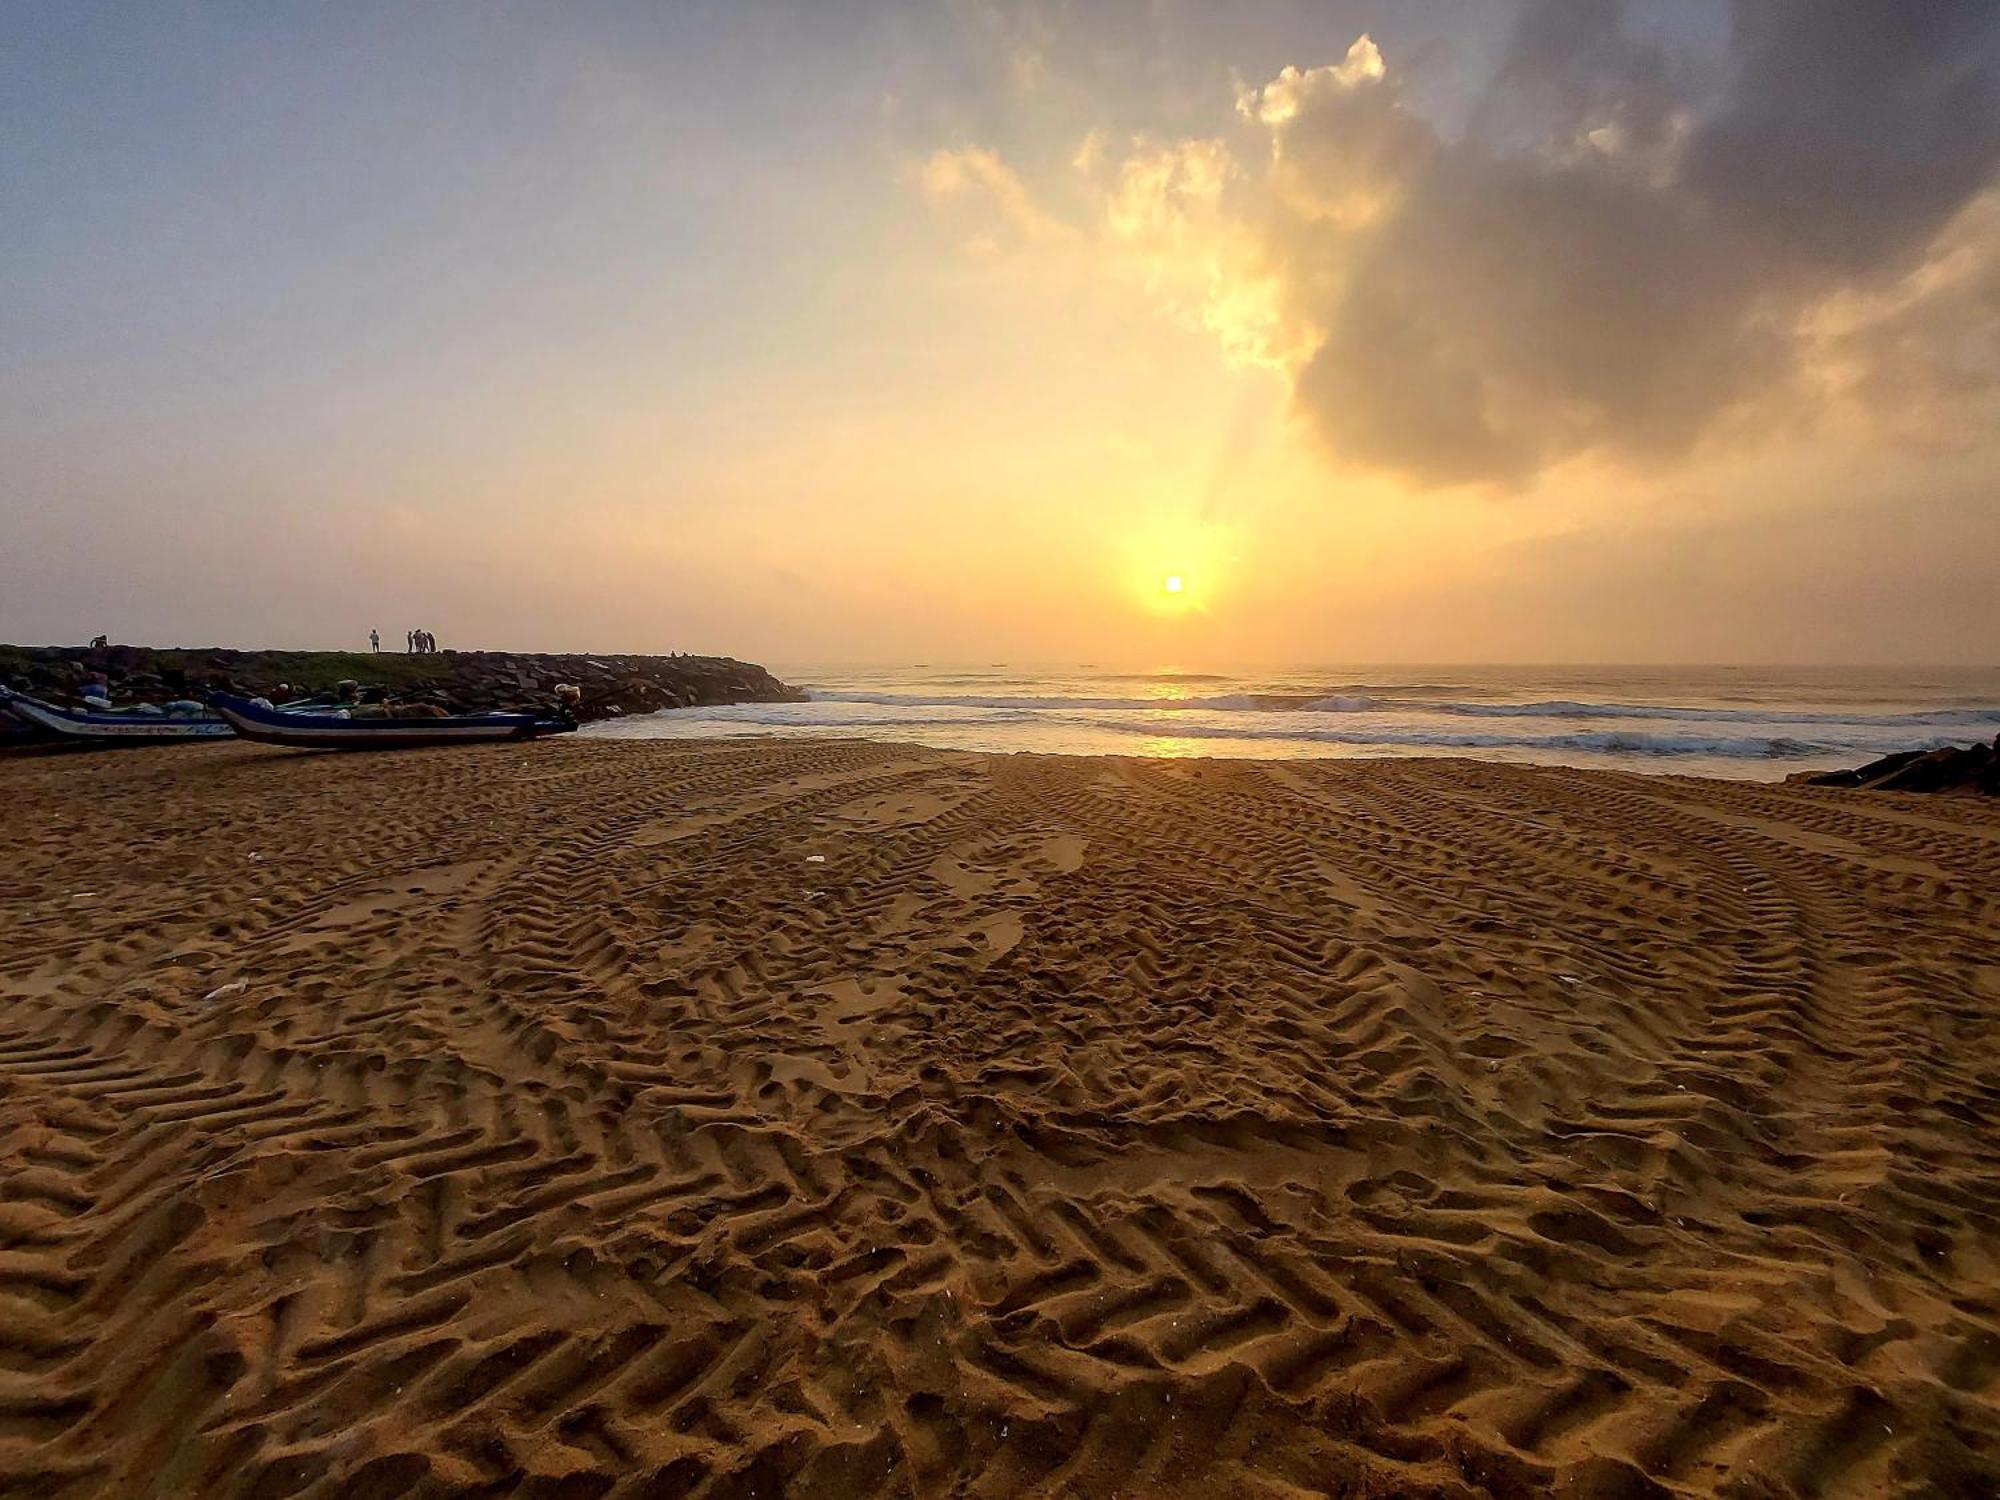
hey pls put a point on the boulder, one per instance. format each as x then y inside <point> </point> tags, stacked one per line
<point>1974,769</point>
<point>461,681</point>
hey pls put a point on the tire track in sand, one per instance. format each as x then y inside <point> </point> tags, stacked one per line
<point>844,1119</point>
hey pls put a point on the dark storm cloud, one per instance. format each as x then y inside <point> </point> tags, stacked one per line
<point>1571,66</point>
<point>1623,247</point>
<point>1851,131</point>
<point>1513,312</point>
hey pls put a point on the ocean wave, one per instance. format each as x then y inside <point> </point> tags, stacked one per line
<point>1602,742</point>
<point>1406,736</point>
<point>1566,709</point>
<point>1229,702</point>
<point>1346,703</point>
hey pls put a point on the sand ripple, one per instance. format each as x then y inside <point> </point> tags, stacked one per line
<point>839,1119</point>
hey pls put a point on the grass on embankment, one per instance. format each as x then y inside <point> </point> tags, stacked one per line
<point>314,671</point>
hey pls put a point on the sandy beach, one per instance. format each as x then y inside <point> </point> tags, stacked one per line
<point>837,1119</point>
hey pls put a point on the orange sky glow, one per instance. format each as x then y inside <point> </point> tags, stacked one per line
<point>1414,333</point>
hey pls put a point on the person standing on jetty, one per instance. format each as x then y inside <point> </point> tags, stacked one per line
<point>375,641</point>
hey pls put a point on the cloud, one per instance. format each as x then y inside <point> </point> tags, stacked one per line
<point>1920,355</point>
<point>1279,101</point>
<point>976,172</point>
<point>1851,131</point>
<point>1603,266</point>
<point>1573,82</point>
<point>1629,248</point>
<point>1173,219</point>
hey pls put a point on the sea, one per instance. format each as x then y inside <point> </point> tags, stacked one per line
<point>1756,723</point>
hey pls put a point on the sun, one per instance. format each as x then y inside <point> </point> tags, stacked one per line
<point>1175,568</point>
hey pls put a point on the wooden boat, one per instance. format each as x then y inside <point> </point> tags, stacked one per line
<point>122,727</point>
<point>255,719</point>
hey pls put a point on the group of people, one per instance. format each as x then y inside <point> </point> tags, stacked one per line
<point>422,642</point>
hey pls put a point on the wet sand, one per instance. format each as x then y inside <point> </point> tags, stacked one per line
<point>843,1119</point>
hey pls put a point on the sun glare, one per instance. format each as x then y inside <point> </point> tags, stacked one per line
<point>1176,568</point>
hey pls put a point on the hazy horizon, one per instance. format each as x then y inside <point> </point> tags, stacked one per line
<point>1556,333</point>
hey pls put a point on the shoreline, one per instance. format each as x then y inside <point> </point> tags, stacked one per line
<point>1705,722</point>
<point>842,1117</point>
<point>606,732</point>
<point>592,735</point>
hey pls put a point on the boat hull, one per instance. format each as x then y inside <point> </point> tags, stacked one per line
<point>83,726</point>
<point>323,731</point>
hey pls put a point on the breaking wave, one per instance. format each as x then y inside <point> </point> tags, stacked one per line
<point>1342,703</point>
<point>1244,702</point>
<point>1758,724</point>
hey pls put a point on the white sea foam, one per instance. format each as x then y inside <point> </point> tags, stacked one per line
<point>1240,702</point>
<point>1352,703</point>
<point>1715,722</point>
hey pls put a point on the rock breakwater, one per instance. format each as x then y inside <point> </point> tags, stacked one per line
<point>458,681</point>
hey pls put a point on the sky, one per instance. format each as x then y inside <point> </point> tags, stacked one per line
<point>1420,331</point>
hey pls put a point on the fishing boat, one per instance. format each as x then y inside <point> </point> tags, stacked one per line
<point>15,732</point>
<point>116,727</point>
<point>255,719</point>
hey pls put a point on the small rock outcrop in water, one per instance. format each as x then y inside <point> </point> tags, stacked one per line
<point>1976,770</point>
<point>457,681</point>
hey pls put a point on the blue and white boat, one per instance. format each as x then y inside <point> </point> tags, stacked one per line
<point>256,719</point>
<point>117,727</point>
<point>15,731</point>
